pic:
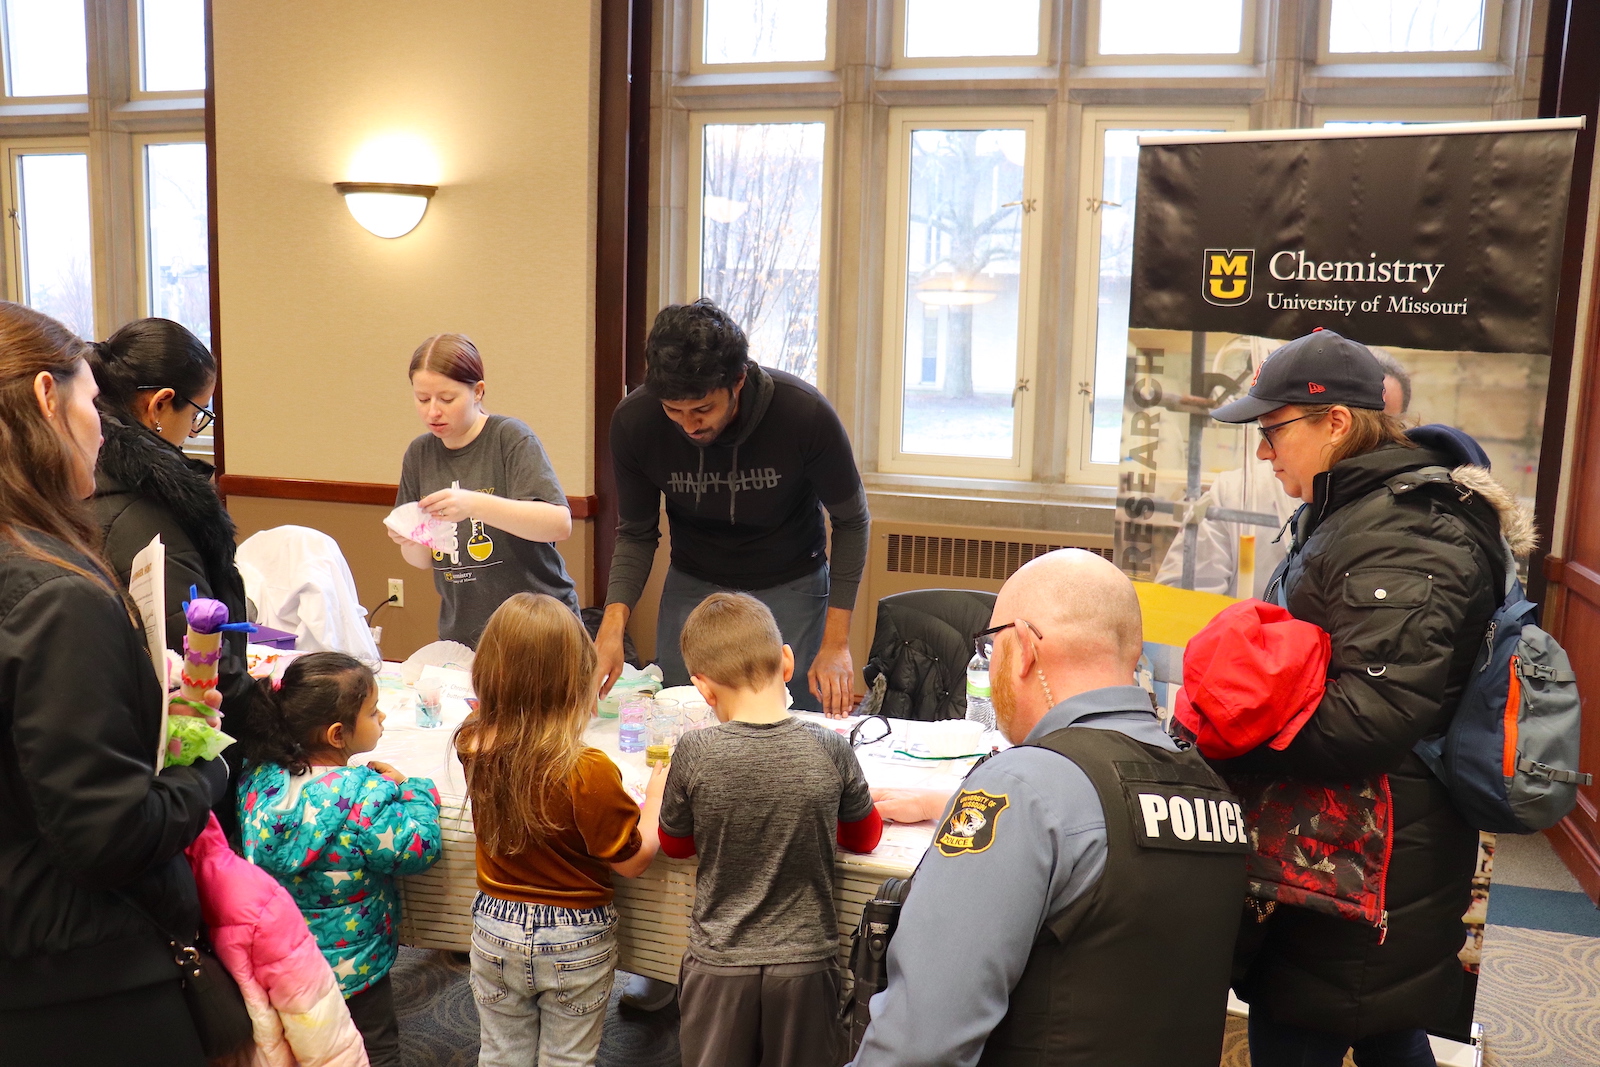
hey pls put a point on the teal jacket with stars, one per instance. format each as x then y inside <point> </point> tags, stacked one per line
<point>337,849</point>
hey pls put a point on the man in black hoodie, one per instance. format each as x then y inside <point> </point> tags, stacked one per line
<point>747,458</point>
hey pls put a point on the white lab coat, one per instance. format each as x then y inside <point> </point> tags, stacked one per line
<point>300,582</point>
<point>1216,566</point>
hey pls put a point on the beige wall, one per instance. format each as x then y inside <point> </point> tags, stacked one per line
<point>318,317</point>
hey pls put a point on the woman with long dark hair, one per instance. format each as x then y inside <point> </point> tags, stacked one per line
<point>93,882</point>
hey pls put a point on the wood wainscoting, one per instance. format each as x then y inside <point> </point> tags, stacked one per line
<point>1572,614</point>
<point>376,493</point>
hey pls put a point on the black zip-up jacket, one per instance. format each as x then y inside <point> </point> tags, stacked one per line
<point>83,815</point>
<point>744,510</point>
<point>1405,584</point>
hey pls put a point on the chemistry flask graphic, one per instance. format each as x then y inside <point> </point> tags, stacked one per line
<point>479,545</point>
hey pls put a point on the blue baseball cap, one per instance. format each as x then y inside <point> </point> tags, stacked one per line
<point>1320,368</point>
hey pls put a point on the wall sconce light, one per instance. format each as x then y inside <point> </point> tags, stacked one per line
<point>387,209</point>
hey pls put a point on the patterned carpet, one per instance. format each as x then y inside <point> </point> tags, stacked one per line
<point>1538,994</point>
<point>1539,998</point>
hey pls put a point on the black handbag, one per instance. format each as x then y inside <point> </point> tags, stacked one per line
<point>215,1004</point>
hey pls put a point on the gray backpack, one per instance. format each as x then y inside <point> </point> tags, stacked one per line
<point>1510,756</point>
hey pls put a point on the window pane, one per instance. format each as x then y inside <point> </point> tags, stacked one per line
<point>1118,185</point>
<point>963,275</point>
<point>1171,27</point>
<point>175,235</point>
<point>173,35</point>
<point>761,236</point>
<point>962,28</point>
<point>1405,26</point>
<point>766,31</point>
<point>53,205</point>
<point>45,51</point>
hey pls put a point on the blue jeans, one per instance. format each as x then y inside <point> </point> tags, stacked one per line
<point>541,976</point>
<point>1276,1045</point>
<point>800,608</point>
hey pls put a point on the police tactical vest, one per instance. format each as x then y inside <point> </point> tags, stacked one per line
<point>1135,972</point>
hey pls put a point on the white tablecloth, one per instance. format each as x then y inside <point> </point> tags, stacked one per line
<point>654,907</point>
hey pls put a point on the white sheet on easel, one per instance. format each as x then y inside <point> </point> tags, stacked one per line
<point>147,585</point>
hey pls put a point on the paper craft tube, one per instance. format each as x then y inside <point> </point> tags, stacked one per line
<point>202,647</point>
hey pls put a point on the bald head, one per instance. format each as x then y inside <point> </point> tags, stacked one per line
<point>1084,605</point>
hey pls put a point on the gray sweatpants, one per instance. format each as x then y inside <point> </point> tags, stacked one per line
<point>780,1015</point>
<point>800,609</point>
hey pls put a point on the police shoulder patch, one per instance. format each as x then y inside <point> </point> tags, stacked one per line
<point>971,824</point>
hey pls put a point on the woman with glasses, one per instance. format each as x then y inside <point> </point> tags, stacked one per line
<point>1400,555</point>
<point>156,382</point>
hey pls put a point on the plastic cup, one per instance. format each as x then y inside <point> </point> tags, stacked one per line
<point>430,701</point>
<point>696,715</point>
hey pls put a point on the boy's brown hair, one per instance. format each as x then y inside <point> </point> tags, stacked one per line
<point>733,640</point>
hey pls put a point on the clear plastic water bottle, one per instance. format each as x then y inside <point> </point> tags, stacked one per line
<point>980,708</point>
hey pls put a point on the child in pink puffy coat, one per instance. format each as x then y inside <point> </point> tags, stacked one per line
<point>262,939</point>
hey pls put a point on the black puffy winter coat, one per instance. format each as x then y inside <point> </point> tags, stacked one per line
<point>83,815</point>
<point>1405,583</point>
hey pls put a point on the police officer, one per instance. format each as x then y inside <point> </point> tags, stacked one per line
<point>1079,902</point>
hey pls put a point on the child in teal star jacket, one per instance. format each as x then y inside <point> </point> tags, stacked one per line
<point>336,836</point>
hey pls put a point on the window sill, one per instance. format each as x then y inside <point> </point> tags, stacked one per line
<point>991,503</point>
<point>995,503</point>
<point>160,105</point>
<point>1449,70</point>
<point>1209,72</point>
<point>988,489</point>
<point>59,109</point>
<point>756,80</point>
<point>1023,73</point>
<point>759,89</point>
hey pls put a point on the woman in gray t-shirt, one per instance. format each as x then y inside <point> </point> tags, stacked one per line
<point>490,476</point>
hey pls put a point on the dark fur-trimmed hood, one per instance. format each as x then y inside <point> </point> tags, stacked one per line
<point>135,462</point>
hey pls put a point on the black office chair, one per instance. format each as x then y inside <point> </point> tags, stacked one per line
<point>917,668</point>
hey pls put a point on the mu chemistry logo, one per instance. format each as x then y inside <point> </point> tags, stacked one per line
<point>1229,275</point>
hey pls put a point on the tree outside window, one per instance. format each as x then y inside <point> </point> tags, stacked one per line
<point>761,236</point>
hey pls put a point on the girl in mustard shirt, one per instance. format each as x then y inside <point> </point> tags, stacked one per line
<point>552,822</point>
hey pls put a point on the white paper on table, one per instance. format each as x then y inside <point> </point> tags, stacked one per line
<point>414,524</point>
<point>147,586</point>
<point>449,676</point>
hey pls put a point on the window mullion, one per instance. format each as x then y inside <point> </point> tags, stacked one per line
<point>114,214</point>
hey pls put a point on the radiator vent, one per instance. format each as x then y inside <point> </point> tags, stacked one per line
<point>964,557</point>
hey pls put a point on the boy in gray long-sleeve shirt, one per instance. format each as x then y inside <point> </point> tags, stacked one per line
<point>761,797</point>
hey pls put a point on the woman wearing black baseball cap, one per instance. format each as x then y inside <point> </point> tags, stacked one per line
<point>1404,575</point>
